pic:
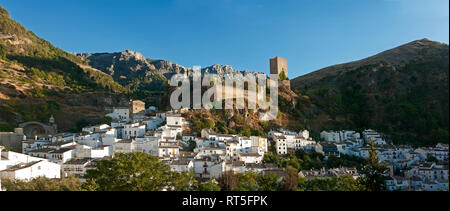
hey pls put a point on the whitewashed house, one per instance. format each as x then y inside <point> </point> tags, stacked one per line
<point>216,170</point>
<point>148,145</point>
<point>125,146</point>
<point>281,145</point>
<point>153,123</point>
<point>120,114</point>
<point>34,169</point>
<point>439,152</point>
<point>250,158</point>
<point>174,120</point>
<point>202,167</point>
<point>330,136</point>
<point>58,156</point>
<point>76,167</point>
<point>294,142</point>
<point>133,130</point>
<point>182,165</point>
<point>92,140</point>
<point>397,183</point>
<point>83,151</point>
<point>9,158</point>
<point>373,135</point>
<point>212,135</point>
<point>210,151</point>
<point>168,149</point>
<point>260,144</point>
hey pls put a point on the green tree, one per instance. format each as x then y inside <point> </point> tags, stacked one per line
<point>431,158</point>
<point>207,186</point>
<point>207,123</point>
<point>245,131</point>
<point>283,76</point>
<point>90,185</point>
<point>345,183</point>
<point>137,172</point>
<point>270,182</point>
<point>181,181</point>
<point>43,184</point>
<point>290,179</point>
<point>247,181</point>
<point>271,158</point>
<point>5,127</point>
<point>106,120</point>
<point>192,146</point>
<point>228,181</point>
<point>373,172</point>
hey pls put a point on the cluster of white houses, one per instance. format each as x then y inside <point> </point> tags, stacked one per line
<point>413,164</point>
<point>162,134</point>
<point>134,130</point>
<point>287,141</point>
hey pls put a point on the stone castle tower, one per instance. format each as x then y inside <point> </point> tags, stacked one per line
<point>278,65</point>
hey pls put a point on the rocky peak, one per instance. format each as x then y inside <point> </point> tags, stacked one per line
<point>219,69</point>
<point>123,63</point>
<point>132,55</point>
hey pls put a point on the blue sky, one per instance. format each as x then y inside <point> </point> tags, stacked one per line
<point>311,34</point>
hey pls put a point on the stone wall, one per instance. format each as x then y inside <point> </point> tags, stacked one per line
<point>11,140</point>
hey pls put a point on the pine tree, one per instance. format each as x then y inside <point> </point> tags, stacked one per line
<point>373,173</point>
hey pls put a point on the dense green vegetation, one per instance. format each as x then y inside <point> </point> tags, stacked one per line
<point>373,179</point>
<point>409,103</point>
<point>43,184</point>
<point>139,172</point>
<point>346,183</point>
<point>143,172</point>
<point>192,145</point>
<point>106,120</point>
<point>49,73</point>
<point>199,124</point>
<point>45,61</point>
<point>306,160</point>
<point>149,89</point>
<point>38,111</point>
<point>283,76</point>
<point>223,127</point>
<point>5,127</point>
<point>252,181</point>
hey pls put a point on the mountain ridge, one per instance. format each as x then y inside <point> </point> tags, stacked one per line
<point>152,64</point>
<point>388,56</point>
<point>402,91</point>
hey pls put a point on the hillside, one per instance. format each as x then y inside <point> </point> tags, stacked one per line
<point>38,80</point>
<point>403,92</point>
